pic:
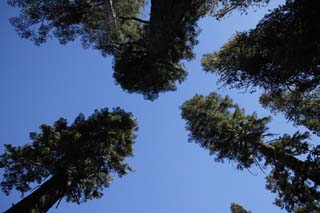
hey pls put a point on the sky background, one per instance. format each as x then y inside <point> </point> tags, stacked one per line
<point>41,84</point>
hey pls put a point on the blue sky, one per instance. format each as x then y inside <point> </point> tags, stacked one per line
<point>41,84</point>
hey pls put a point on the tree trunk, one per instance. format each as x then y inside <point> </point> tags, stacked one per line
<point>296,165</point>
<point>43,198</point>
<point>110,14</point>
<point>166,18</point>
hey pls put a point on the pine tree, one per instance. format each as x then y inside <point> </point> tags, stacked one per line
<point>222,127</point>
<point>75,162</point>
<point>281,57</point>
<point>147,54</point>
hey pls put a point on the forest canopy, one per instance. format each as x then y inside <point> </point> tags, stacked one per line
<point>279,58</point>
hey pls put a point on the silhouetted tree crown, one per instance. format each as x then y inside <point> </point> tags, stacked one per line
<point>281,56</point>
<point>147,54</point>
<point>79,159</point>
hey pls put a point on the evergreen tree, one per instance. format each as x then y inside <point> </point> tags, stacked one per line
<point>95,22</point>
<point>147,54</point>
<point>76,161</point>
<point>281,56</point>
<point>222,127</point>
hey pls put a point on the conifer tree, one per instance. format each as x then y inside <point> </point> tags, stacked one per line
<point>74,161</point>
<point>222,127</point>
<point>281,57</point>
<point>147,54</point>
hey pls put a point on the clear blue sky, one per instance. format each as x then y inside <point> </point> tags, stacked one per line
<point>41,84</point>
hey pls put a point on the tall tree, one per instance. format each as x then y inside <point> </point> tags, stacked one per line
<point>75,161</point>
<point>153,63</point>
<point>222,127</point>
<point>281,56</point>
<point>147,54</point>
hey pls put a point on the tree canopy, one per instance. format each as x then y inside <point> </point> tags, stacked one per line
<point>79,159</point>
<point>281,56</point>
<point>95,22</point>
<point>282,51</point>
<point>222,127</point>
<point>147,54</point>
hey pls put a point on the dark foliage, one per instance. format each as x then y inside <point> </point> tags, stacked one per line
<point>93,21</point>
<point>152,64</point>
<point>219,125</point>
<point>148,55</point>
<point>283,50</point>
<point>136,72</point>
<point>302,108</point>
<point>281,56</point>
<point>236,208</point>
<point>85,155</point>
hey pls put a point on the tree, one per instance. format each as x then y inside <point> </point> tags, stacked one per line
<point>222,127</point>
<point>152,64</point>
<point>281,56</point>
<point>147,54</point>
<point>236,208</point>
<point>75,161</point>
<point>95,22</point>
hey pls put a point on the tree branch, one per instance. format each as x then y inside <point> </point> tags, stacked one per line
<point>135,19</point>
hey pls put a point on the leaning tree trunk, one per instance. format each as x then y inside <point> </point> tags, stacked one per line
<point>42,199</point>
<point>296,165</point>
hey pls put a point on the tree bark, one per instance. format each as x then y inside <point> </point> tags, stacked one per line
<point>166,18</point>
<point>296,165</point>
<point>42,199</point>
<point>110,14</point>
<point>110,11</point>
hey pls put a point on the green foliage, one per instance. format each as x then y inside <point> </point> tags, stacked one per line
<point>152,64</point>
<point>281,51</point>
<point>221,8</point>
<point>138,73</point>
<point>121,34</point>
<point>147,54</point>
<point>236,208</point>
<point>219,125</point>
<point>93,21</point>
<point>281,56</point>
<point>87,153</point>
<point>301,108</point>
